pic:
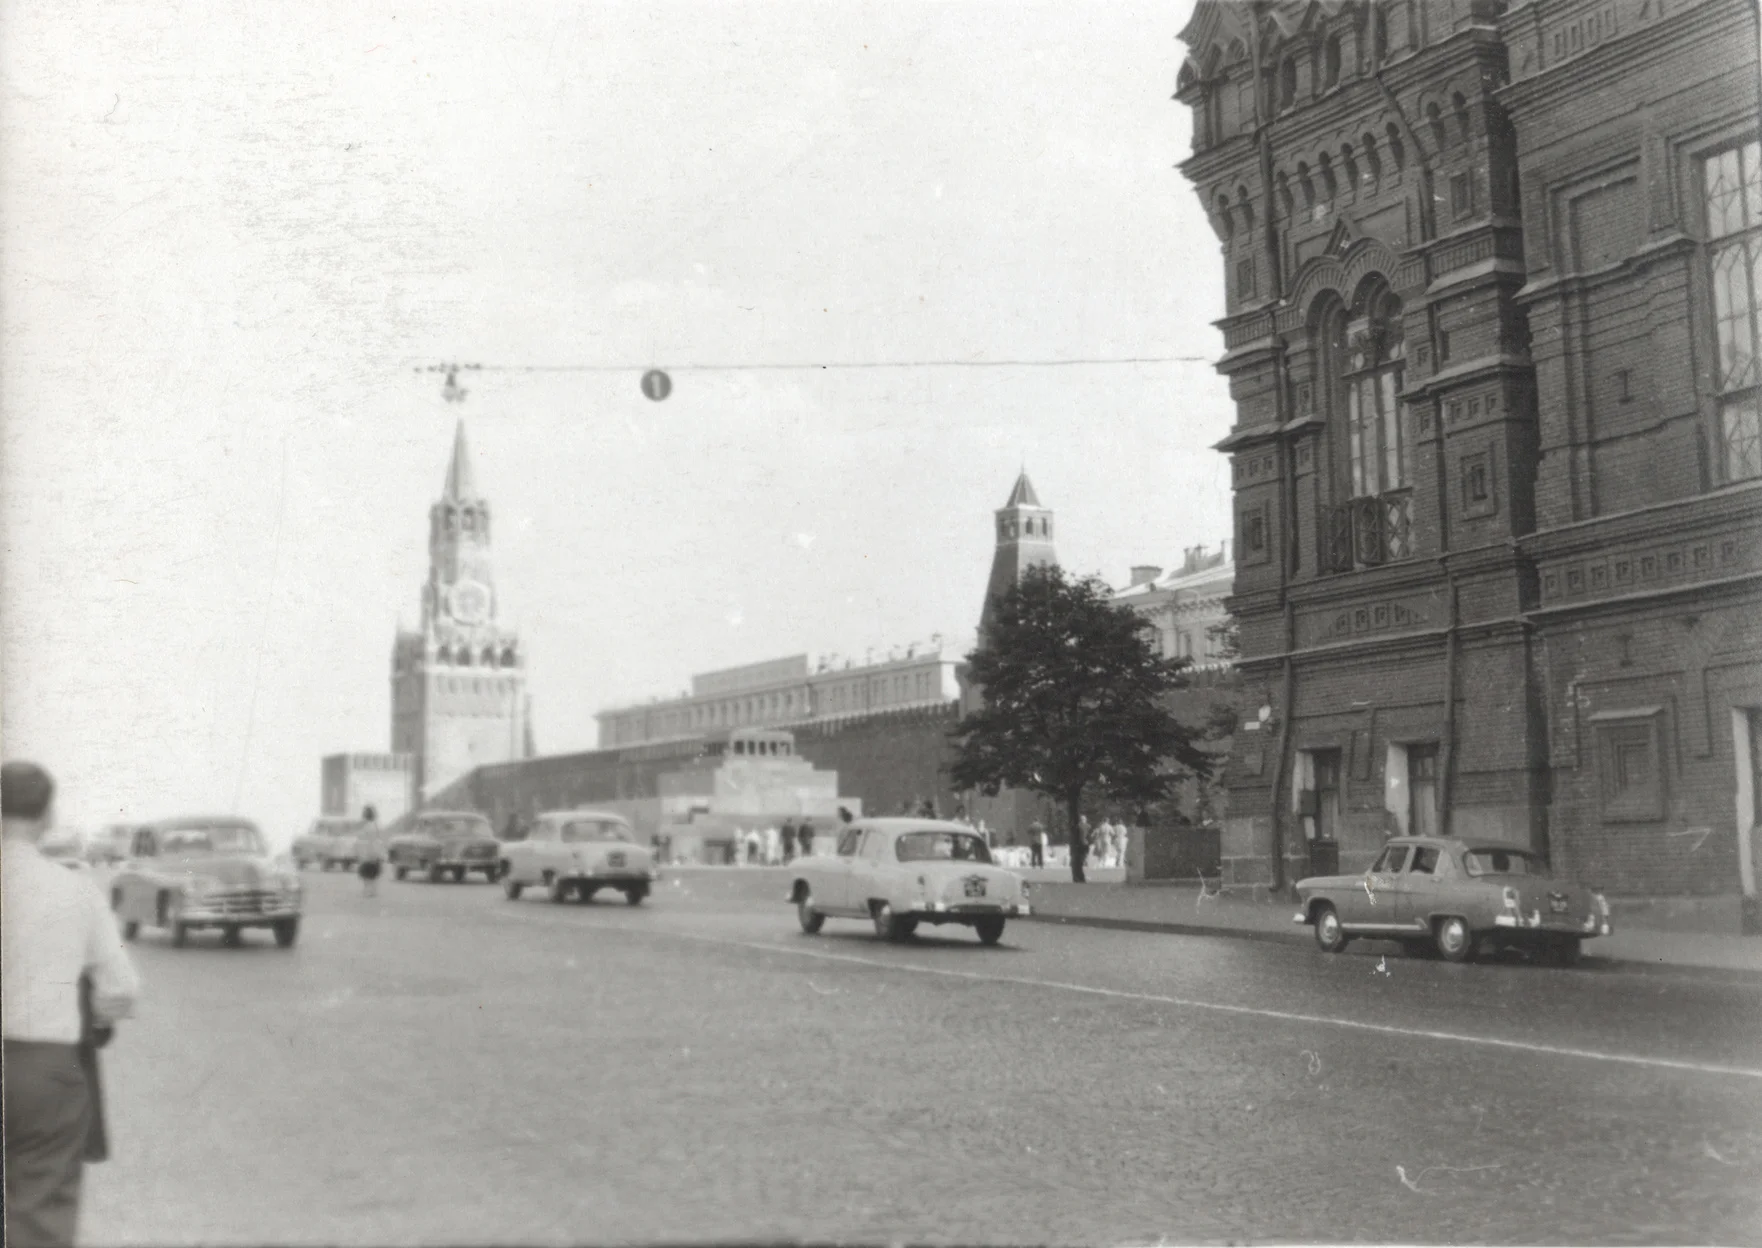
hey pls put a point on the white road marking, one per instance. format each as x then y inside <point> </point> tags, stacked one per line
<point>1248,1011</point>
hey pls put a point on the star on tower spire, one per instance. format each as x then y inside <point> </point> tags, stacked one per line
<point>459,484</point>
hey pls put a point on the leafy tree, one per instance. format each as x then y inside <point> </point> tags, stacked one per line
<point>1073,701</point>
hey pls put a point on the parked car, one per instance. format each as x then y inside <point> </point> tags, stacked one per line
<point>898,873</point>
<point>575,853</point>
<point>329,842</point>
<point>211,871</point>
<point>64,845</point>
<point>110,846</point>
<point>445,843</point>
<point>1455,896</point>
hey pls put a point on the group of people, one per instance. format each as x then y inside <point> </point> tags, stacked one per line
<point>1107,843</point>
<point>774,846</point>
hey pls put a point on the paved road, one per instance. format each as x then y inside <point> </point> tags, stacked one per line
<point>442,1065</point>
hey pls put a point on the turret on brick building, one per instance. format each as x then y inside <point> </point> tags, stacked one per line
<point>1493,334</point>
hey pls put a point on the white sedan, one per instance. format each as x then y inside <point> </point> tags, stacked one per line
<point>575,853</point>
<point>898,873</point>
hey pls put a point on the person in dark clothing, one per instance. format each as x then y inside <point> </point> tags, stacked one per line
<point>786,834</point>
<point>806,833</point>
<point>844,815</point>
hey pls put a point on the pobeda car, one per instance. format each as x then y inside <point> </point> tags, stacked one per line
<point>445,843</point>
<point>898,873</point>
<point>183,874</point>
<point>1455,896</point>
<point>575,853</point>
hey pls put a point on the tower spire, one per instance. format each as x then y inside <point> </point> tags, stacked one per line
<point>459,485</point>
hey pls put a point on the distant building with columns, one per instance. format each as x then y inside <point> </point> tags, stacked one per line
<point>787,692</point>
<point>1185,606</point>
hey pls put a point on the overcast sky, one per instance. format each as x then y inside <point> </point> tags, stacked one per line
<point>232,233</point>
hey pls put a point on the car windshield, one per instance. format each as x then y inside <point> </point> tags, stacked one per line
<point>577,830</point>
<point>60,844</point>
<point>212,838</point>
<point>941,846</point>
<point>462,826</point>
<point>1503,862</point>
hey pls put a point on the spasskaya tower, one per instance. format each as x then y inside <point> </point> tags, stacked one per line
<point>459,684</point>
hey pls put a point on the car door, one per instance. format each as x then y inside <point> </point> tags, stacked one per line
<point>1416,888</point>
<point>133,886</point>
<point>1371,903</point>
<point>829,877</point>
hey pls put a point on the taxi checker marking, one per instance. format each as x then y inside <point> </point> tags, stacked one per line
<point>1557,1050</point>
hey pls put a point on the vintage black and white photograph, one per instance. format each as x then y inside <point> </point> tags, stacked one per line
<point>866,622</point>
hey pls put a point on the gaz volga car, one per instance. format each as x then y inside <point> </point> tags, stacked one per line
<point>898,873</point>
<point>1455,896</point>
<point>215,872</point>
<point>574,854</point>
<point>442,843</point>
<point>329,842</point>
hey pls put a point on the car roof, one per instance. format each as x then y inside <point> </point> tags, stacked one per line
<point>179,822</point>
<point>905,823</point>
<point>609,815</point>
<point>450,814</point>
<point>1461,844</point>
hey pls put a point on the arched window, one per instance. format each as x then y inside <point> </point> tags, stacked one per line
<point>1376,444</point>
<point>1349,163</point>
<point>1331,63</point>
<point>444,656</point>
<point>1326,165</point>
<point>1288,82</point>
<point>1223,216</point>
<point>1246,207</point>
<point>1286,203</point>
<point>464,656</point>
<point>508,656</point>
<point>488,658</point>
<point>1397,150</point>
<point>1435,122</point>
<point>1459,106</point>
<point>1305,185</point>
<point>1372,162</point>
<point>1379,34</point>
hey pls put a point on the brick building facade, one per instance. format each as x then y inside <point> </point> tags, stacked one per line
<point>1492,330</point>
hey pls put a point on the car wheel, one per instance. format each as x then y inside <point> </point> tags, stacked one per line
<point>287,931</point>
<point>1328,933</point>
<point>634,896</point>
<point>511,888</point>
<point>434,874</point>
<point>811,920</point>
<point>1454,939</point>
<point>888,925</point>
<point>130,929</point>
<point>584,892</point>
<point>232,937</point>
<point>557,889</point>
<point>1564,951</point>
<point>400,872</point>
<point>990,930</point>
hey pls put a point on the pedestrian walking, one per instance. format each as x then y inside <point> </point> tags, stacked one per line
<point>806,835</point>
<point>1037,843</point>
<point>60,943</point>
<point>788,838</point>
<point>370,851</point>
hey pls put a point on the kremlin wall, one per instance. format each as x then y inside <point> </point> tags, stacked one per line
<point>748,747</point>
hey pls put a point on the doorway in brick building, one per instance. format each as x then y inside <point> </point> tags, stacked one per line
<point>1422,789</point>
<point>1324,850</point>
<point>1746,734</point>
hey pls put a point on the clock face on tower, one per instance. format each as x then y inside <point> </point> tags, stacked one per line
<point>468,601</point>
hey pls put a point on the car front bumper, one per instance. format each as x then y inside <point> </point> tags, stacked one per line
<point>203,914</point>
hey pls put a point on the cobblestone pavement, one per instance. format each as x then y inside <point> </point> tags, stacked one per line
<point>443,1065</point>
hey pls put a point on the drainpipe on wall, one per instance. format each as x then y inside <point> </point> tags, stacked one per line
<point>1282,763</point>
<point>1447,746</point>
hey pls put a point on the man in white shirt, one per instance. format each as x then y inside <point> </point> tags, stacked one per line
<point>56,931</point>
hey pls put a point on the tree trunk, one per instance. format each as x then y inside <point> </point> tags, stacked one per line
<point>1079,847</point>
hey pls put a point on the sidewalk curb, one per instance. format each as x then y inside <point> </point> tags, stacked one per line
<point>1589,962</point>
